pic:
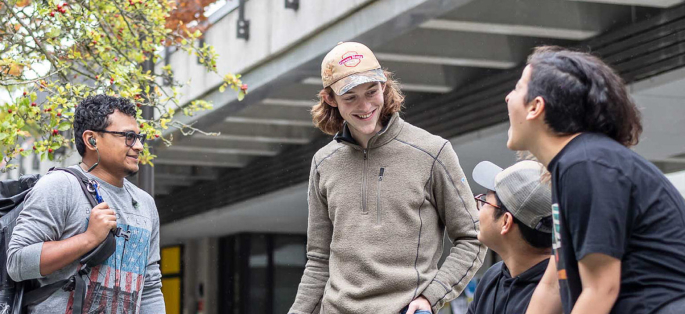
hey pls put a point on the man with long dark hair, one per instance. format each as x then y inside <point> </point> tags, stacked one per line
<point>619,224</point>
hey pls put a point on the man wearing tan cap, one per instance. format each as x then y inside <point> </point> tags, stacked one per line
<point>381,196</point>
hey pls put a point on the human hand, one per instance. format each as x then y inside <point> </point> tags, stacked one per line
<point>419,304</point>
<point>101,221</point>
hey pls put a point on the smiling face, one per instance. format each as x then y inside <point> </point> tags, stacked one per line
<point>116,157</point>
<point>361,108</point>
<point>519,128</point>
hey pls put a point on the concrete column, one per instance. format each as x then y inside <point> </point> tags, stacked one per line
<point>201,267</point>
<point>190,276</point>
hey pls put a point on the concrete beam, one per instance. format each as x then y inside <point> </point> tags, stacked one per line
<point>670,160</point>
<point>284,122</point>
<point>463,49</point>
<point>510,29</point>
<point>277,112</point>
<point>462,62</point>
<point>288,102</point>
<point>198,143</point>
<point>260,139</point>
<point>425,88</point>
<point>183,158</point>
<point>560,19</point>
<point>269,131</point>
<point>217,150</point>
<point>644,3</point>
<point>199,163</point>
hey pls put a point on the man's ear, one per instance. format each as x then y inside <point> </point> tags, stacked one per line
<point>87,136</point>
<point>535,108</point>
<point>507,223</point>
<point>330,100</point>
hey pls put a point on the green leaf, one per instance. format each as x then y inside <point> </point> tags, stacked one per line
<point>64,126</point>
<point>54,32</point>
<point>241,95</point>
<point>3,136</point>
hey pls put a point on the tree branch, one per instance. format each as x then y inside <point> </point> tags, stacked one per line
<point>40,46</point>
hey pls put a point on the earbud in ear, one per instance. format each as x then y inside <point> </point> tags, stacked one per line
<point>92,141</point>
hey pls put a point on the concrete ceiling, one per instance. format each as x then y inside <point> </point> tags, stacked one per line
<point>432,56</point>
<point>646,3</point>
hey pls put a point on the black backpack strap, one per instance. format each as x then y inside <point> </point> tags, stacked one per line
<point>83,182</point>
<point>41,294</point>
<point>95,257</point>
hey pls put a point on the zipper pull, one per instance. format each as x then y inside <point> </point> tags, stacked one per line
<point>380,174</point>
<point>365,154</point>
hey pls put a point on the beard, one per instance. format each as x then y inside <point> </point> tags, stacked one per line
<point>130,173</point>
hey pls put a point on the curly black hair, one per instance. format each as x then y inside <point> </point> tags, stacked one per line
<point>582,94</point>
<point>93,114</point>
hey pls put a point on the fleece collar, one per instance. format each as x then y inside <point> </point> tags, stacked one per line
<point>385,135</point>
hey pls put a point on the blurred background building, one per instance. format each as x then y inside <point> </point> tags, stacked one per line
<point>233,207</point>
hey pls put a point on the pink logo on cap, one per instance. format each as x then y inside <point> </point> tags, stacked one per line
<point>351,59</point>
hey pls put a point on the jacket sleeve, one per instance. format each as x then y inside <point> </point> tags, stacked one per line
<point>319,233</point>
<point>152,300</point>
<point>457,209</point>
<point>43,219</point>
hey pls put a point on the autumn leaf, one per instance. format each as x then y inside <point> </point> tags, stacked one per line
<point>22,3</point>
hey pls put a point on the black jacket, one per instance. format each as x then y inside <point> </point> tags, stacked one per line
<point>498,293</point>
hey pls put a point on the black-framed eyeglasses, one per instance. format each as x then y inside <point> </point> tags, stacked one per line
<point>129,135</point>
<point>480,198</point>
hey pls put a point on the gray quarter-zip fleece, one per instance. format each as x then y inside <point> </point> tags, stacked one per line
<point>377,218</point>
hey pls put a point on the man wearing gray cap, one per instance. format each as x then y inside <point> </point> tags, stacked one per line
<point>516,223</point>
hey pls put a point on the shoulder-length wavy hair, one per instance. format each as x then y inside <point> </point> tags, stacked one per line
<point>582,94</point>
<point>328,119</point>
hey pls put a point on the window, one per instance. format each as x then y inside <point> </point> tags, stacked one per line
<point>260,273</point>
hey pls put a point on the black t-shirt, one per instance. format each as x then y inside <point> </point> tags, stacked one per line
<point>609,200</point>
<point>499,293</point>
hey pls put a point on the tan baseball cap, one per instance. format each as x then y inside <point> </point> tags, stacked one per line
<point>348,65</point>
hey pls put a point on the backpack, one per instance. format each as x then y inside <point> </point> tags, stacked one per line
<point>15,296</point>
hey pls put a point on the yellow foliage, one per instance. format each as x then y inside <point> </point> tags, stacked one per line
<point>88,50</point>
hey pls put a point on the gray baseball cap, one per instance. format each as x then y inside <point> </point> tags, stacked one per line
<point>520,189</point>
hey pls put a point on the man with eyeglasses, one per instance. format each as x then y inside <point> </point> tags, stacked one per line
<point>516,223</point>
<point>58,226</point>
